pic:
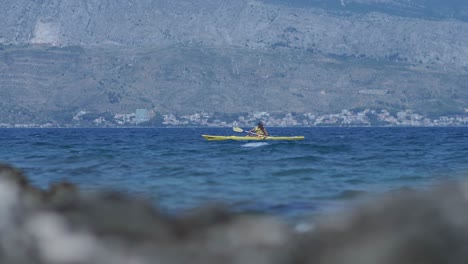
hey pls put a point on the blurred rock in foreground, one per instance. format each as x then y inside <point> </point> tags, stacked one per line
<point>62,225</point>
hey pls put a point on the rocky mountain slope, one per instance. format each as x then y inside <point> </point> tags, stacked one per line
<point>60,57</point>
<point>429,9</point>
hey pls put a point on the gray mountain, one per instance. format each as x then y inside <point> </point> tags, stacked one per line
<point>429,9</point>
<point>60,57</point>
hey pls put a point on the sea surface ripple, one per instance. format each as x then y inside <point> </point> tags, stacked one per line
<point>178,169</point>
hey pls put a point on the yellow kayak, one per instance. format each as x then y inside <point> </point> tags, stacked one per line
<point>212,138</point>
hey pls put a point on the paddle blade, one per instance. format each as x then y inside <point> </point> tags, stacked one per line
<point>237,129</point>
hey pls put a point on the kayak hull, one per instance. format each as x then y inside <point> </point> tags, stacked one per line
<point>217,138</point>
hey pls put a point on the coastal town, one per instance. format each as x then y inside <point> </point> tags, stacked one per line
<point>346,118</point>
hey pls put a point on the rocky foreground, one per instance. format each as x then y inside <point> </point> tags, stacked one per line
<point>64,225</point>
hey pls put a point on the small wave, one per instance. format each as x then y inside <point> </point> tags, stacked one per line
<point>305,159</point>
<point>326,149</point>
<point>254,145</point>
<point>40,144</point>
<point>293,172</point>
<point>350,194</point>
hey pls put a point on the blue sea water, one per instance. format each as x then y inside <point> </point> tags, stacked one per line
<point>178,170</point>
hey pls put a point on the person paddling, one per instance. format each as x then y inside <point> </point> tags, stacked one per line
<point>259,130</point>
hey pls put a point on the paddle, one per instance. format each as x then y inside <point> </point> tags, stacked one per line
<point>238,129</point>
